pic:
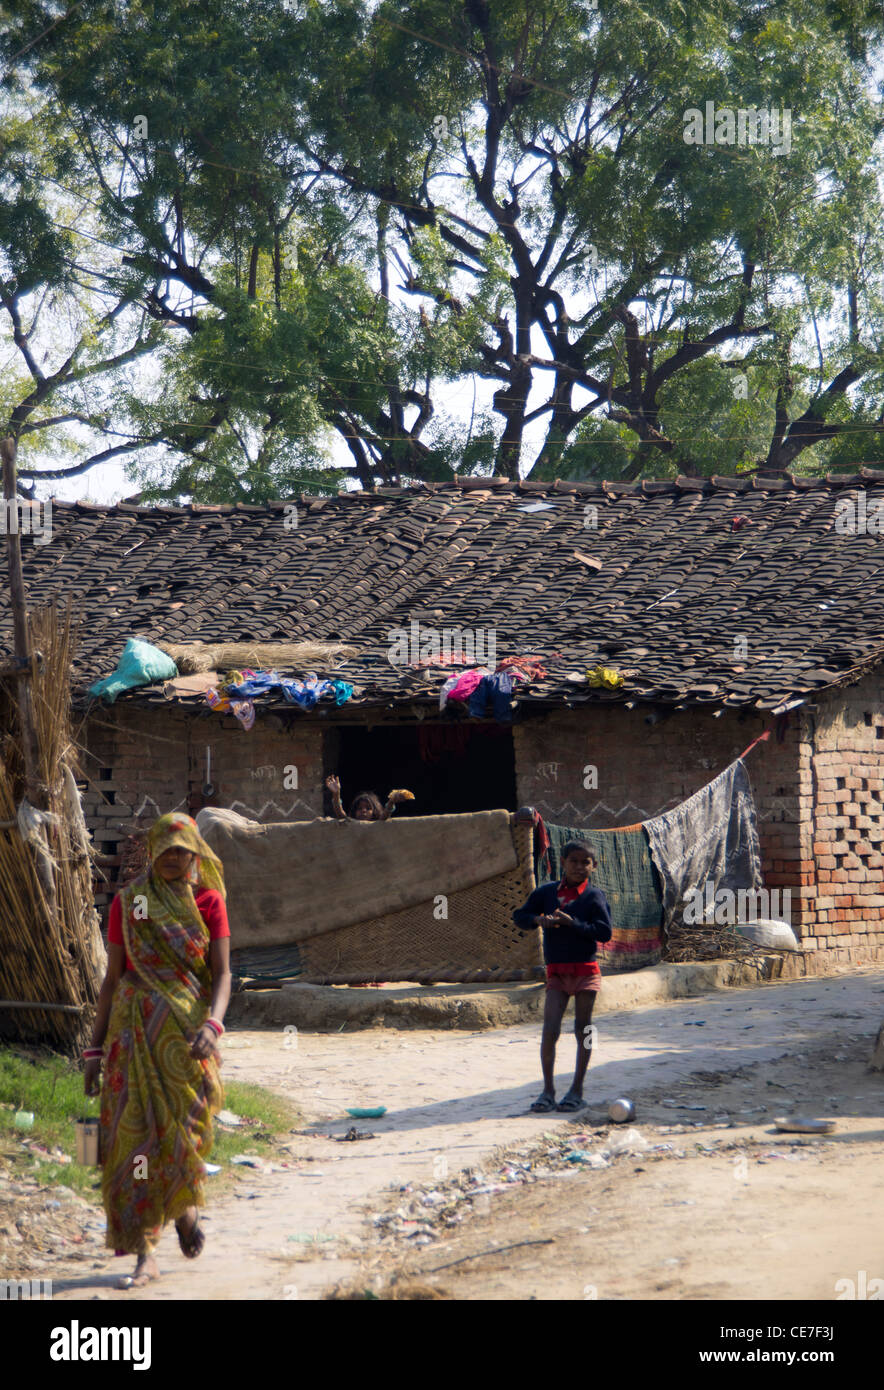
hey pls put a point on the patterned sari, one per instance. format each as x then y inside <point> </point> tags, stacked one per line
<point>157,1099</point>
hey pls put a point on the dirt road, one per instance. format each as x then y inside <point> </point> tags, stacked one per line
<point>660,1226</point>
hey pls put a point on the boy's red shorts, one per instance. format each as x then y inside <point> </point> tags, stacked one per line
<point>573,977</point>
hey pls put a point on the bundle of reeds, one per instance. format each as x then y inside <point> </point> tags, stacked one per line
<point>51,949</point>
<point>191,658</point>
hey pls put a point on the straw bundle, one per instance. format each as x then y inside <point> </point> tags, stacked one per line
<point>191,658</point>
<point>49,959</point>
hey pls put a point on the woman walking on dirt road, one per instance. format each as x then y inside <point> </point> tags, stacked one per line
<point>158,1020</point>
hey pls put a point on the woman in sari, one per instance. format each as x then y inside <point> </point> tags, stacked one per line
<point>158,1020</point>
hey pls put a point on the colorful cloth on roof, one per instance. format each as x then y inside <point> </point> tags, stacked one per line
<point>240,687</point>
<point>499,690</point>
<point>446,690</point>
<point>457,658</point>
<point>244,711</point>
<point>604,676</point>
<point>467,682</point>
<point>530,668</point>
<point>157,1099</point>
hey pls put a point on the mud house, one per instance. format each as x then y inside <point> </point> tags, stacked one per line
<point>725,606</point>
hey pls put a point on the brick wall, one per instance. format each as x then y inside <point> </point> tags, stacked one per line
<point>844,770</point>
<point>645,769</point>
<point>142,762</point>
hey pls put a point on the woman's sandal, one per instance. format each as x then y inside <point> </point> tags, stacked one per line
<point>192,1241</point>
<point>544,1103</point>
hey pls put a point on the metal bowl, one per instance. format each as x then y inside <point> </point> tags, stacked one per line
<point>621,1111</point>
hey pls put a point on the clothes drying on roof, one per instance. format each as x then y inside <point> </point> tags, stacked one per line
<point>140,663</point>
<point>243,686</point>
<point>244,711</point>
<point>604,676</point>
<point>499,690</point>
<point>467,682</point>
<point>530,668</point>
<point>446,690</point>
<point>448,658</point>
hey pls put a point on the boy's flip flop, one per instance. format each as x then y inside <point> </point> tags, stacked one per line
<point>571,1102</point>
<point>544,1103</point>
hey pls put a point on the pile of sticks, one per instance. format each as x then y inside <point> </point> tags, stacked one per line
<point>51,952</point>
<point>707,942</point>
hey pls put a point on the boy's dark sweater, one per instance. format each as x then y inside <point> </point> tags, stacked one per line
<point>590,912</point>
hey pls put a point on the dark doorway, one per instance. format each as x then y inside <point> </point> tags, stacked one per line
<point>449,767</point>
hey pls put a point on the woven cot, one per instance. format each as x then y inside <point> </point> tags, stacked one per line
<point>443,888</point>
<point>478,941</point>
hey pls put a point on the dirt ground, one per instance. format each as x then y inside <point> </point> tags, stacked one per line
<point>718,1213</point>
<point>710,1204</point>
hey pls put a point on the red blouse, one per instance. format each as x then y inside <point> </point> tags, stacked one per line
<point>213,911</point>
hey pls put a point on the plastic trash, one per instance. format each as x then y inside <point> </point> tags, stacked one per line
<point>592,1160</point>
<point>774,934</point>
<point>24,1119</point>
<point>370,1112</point>
<point>633,1142</point>
<point>227,1117</point>
<point>141,663</point>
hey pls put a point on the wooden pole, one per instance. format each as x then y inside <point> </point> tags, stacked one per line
<point>36,790</point>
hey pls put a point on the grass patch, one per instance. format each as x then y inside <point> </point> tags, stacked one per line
<point>51,1086</point>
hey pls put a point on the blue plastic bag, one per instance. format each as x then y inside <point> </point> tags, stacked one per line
<point>140,664</point>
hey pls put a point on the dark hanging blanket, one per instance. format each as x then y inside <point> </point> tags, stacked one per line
<point>713,836</point>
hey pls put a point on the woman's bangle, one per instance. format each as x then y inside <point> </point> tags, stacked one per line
<point>89,1053</point>
<point>216,1026</point>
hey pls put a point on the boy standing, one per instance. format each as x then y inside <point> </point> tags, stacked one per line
<point>573,916</point>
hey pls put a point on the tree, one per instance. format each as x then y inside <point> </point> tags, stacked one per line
<point>631,255</point>
<point>71,330</point>
<point>502,193</point>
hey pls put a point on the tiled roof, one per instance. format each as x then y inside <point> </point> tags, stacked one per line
<point>666,584</point>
